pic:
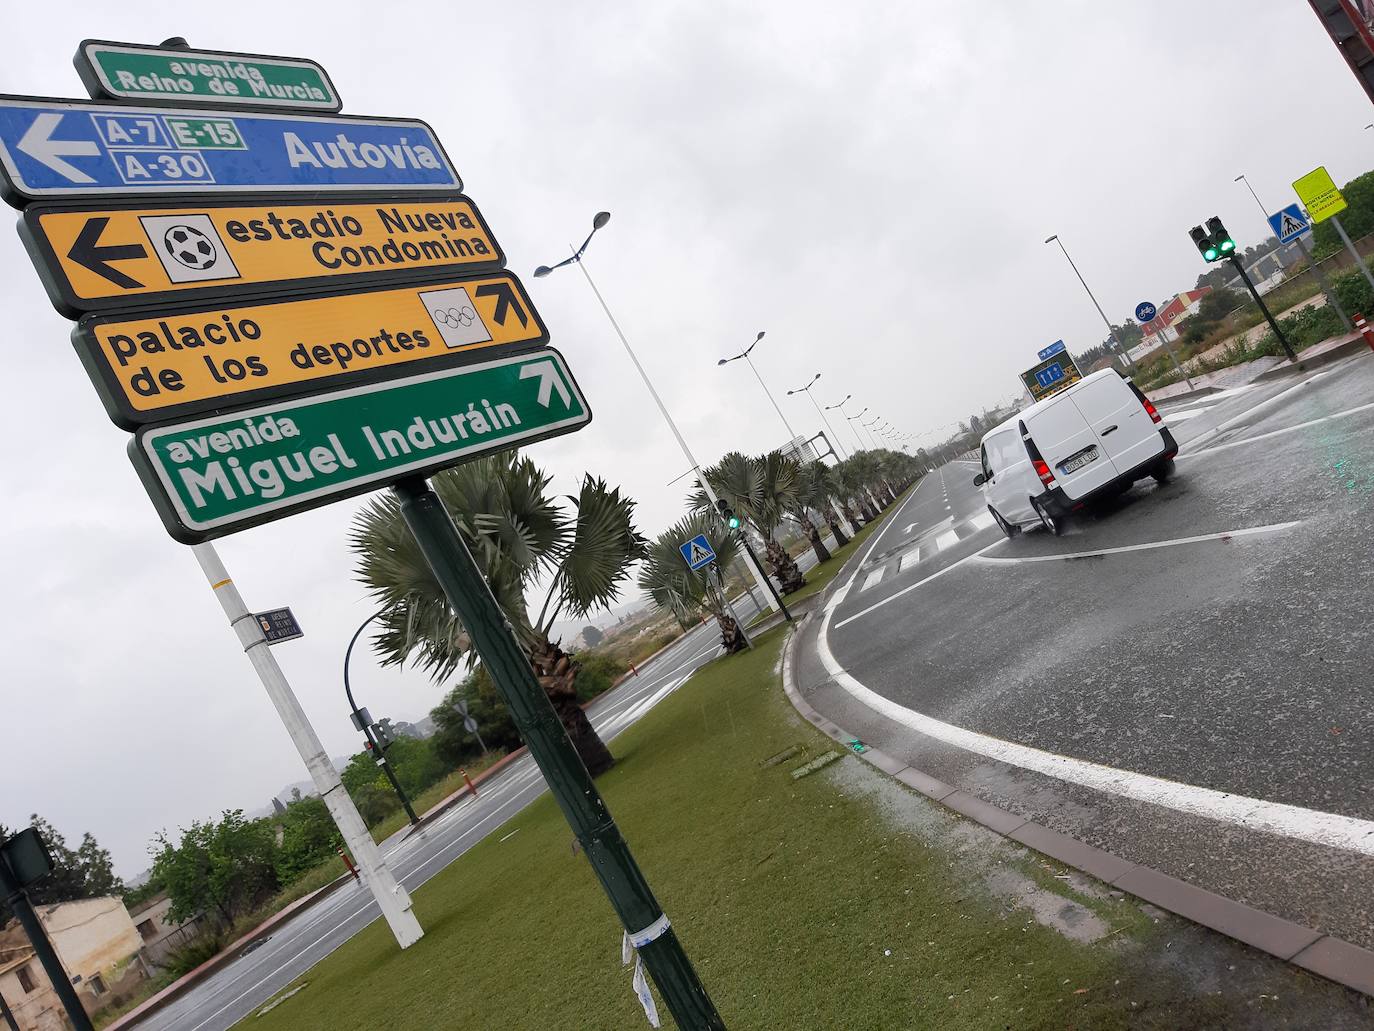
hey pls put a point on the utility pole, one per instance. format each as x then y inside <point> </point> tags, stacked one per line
<point>1240,270</point>
<point>362,722</point>
<point>391,896</point>
<point>572,787</point>
<point>1350,246</point>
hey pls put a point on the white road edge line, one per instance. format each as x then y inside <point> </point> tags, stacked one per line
<point>1290,821</point>
<point>1224,535</point>
<point>1255,409</point>
<point>1279,432</point>
<point>905,590</point>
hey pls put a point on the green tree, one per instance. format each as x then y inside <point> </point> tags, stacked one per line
<point>82,873</point>
<point>761,490</point>
<point>519,535</point>
<point>592,636</point>
<point>811,496</point>
<point>224,869</point>
<point>1357,218</point>
<point>309,837</point>
<point>817,488</point>
<point>664,576</point>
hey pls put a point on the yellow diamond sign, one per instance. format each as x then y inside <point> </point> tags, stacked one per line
<point>1319,195</point>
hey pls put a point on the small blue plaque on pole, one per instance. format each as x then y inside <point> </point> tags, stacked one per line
<point>1053,349</point>
<point>697,552</point>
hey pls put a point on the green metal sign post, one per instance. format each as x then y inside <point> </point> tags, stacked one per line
<point>649,930</point>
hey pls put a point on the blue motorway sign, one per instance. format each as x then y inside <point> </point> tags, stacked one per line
<point>697,552</point>
<point>62,148</point>
<point>1290,223</point>
<point>1049,375</point>
<point>1054,348</point>
<point>1144,311</point>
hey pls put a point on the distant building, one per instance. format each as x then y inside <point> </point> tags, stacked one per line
<point>159,936</point>
<point>97,943</point>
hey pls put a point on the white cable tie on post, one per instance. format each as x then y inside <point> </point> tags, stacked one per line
<point>639,939</point>
<point>626,950</point>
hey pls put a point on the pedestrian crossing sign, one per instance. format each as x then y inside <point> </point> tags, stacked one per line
<point>1289,223</point>
<point>697,552</point>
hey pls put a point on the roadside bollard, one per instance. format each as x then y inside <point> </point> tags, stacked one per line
<point>633,670</point>
<point>1363,328</point>
<point>468,781</point>
<point>348,863</point>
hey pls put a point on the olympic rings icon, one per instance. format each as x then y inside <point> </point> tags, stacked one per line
<point>455,317</point>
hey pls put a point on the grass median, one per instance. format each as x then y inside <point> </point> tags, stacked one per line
<point>839,899</point>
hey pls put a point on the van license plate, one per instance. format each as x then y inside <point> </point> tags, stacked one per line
<point>1079,461</point>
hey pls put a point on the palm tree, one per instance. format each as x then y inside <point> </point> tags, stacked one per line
<point>664,576</point>
<point>762,490</point>
<point>811,495</point>
<point>854,476</point>
<point>518,535</point>
<point>830,491</point>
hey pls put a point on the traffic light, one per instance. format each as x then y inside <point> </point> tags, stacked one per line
<point>383,732</point>
<point>1205,246</point>
<point>727,514</point>
<point>1220,236</point>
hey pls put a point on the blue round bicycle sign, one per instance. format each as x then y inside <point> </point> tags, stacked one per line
<point>1144,311</point>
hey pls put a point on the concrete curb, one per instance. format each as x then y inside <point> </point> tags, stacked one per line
<point>1325,955</point>
<point>1334,354</point>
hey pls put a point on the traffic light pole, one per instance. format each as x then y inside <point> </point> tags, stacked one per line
<point>10,1022</point>
<point>1240,270</point>
<point>777,598</point>
<point>544,734</point>
<point>739,623</point>
<point>22,906</point>
<point>378,753</point>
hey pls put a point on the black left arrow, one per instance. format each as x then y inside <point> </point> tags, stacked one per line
<point>505,301</point>
<point>89,254</point>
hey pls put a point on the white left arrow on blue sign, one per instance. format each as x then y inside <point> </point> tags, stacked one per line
<point>57,148</point>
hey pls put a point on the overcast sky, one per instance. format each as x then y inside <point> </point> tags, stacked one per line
<point>869,184</point>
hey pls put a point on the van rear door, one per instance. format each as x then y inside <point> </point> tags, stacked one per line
<point>1119,421</point>
<point>1074,453</point>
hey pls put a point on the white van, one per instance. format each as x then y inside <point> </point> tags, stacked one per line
<point>1096,437</point>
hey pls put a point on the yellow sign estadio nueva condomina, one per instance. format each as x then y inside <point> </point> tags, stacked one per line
<point>106,257</point>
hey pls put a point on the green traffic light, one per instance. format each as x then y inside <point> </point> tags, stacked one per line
<point>735,522</point>
<point>1211,254</point>
<point>1228,245</point>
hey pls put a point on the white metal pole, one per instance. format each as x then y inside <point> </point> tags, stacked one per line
<point>701,478</point>
<point>792,434</point>
<point>1340,230</point>
<point>391,896</point>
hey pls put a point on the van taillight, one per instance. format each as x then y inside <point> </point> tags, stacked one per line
<point>1150,409</point>
<point>1043,471</point>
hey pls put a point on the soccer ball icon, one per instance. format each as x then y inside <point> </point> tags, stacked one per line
<point>190,247</point>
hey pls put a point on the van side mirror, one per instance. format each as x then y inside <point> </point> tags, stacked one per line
<point>979,480</point>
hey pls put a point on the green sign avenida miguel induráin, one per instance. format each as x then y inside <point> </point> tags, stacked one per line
<point>214,476</point>
<point>127,71</point>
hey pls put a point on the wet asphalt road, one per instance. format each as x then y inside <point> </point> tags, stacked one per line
<point>1239,664</point>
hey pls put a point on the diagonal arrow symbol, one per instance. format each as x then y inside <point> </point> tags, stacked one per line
<point>37,143</point>
<point>549,381</point>
<point>88,252</point>
<point>505,301</point>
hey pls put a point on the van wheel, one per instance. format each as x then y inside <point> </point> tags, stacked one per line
<point>1050,522</point>
<point>1163,471</point>
<point>1006,527</point>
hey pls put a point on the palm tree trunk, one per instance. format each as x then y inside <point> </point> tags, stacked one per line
<point>731,639</point>
<point>817,545</point>
<point>784,568</point>
<point>833,521</point>
<point>557,675</point>
<point>848,510</point>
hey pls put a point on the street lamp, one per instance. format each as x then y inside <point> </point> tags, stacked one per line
<point>362,723</point>
<point>599,222</point>
<point>1111,336</point>
<point>840,405</point>
<point>791,434</point>
<point>834,440</point>
<point>852,419</point>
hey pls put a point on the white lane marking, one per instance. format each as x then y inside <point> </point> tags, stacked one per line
<point>946,540</point>
<point>919,583</point>
<point>1290,821</point>
<point>982,521</point>
<point>1275,433</point>
<point>909,559</point>
<point>1256,409</point>
<point>874,578</point>
<point>1182,416</point>
<point>891,522</point>
<point>1224,535</point>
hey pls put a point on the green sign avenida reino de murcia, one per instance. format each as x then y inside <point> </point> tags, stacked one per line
<point>127,71</point>
<point>213,476</point>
